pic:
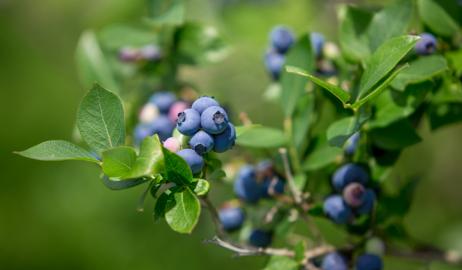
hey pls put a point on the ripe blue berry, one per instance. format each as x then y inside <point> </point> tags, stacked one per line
<point>426,45</point>
<point>274,62</point>
<point>163,127</point>
<point>369,262</point>
<point>281,38</point>
<point>203,103</point>
<point>163,100</point>
<point>246,186</point>
<point>141,131</point>
<point>260,238</point>
<point>368,202</point>
<point>231,218</point>
<point>195,161</point>
<point>317,43</point>
<point>336,208</point>
<point>188,122</point>
<point>201,142</point>
<point>352,144</point>
<point>334,261</point>
<point>273,187</point>
<point>225,140</point>
<point>214,120</point>
<point>354,194</point>
<point>349,173</point>
<point>265,168</point>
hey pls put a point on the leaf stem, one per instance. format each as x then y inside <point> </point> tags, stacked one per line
<point>288,129</point>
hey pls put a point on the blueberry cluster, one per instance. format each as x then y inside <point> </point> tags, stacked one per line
<point>426,45</point>
<point>353,197</point>
<point>367,261</point>
<point>158,116</point>
<point>208,126</point>
<point>145,53</point>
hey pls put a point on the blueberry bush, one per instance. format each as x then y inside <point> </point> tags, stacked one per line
<point>311,195</point>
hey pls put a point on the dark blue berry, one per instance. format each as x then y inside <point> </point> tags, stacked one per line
<point>274,62</point>
<point>225,140</point>
<point>317,43</point>
<point>352,144</point>
<point>214,120</point>
<point>260,238</point>
<point>368,202</point>
<point>426,45</point>
<point>369,262</point>
<point>203,103</point>
<point>349,173</point>
<point>336,208</point>
<point>163,100</point>
<point>281,39</point>
<point>246,186</point>
<point>354,194</point>
<point>201,142</point>
<point>273,187</point>
<point>163,127</point>
<point>334,261</point>
<point>231,218</point>
<point>195,161</point>
<point>188,122</point>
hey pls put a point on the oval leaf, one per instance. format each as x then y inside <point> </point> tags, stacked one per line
<point>260,137</point>
<point>118,162</point>
<point>436,18</point>
<point>58,150</point>
<point>183,216</point>
<point>176,168</point>
<point>121,185</point>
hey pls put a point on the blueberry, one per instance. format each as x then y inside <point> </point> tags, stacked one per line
<point>141,131</point>
<point>163,127</point>
<point>150,53</point>
<point>225,140</point>
<point>163,100</point>
<point>274,62</point>
<point>128,54</point>
<point>231,218</point>
<point>317,43</point>
<point>281,38</point>
<point>148,113</point>
<point>334,261</point>
<point>172,144</point>
<point>265,168</point>
<point>273,187</point>
<point>369,262</point>
<point>188,122</point>
<point>201,142</point>
<point>352,144</point>
<point>336,208</point>
<point>426,45</point>
<point>203,103</point>
<point>214,120</point>
<point>195,161</point>
<point>246,186</point>
<point>354,194</point>
<point>368,202</point>
<point>176,109</point>
<point>349,173</point>
<point>260,238</point>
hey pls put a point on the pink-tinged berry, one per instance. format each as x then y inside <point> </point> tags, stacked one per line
<point>176,109</point>
<point>172,144</point>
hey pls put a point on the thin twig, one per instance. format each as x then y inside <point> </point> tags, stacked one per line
<point>164,187</point>
<point>290,178</point>
<point>215,217</point>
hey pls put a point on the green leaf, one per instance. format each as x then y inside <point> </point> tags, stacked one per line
<point>390,22</point>
<point>353,41</point>
<point>171,12</point>
<point>92,65</point>
<point>339,131</point>
<point>183,216</point>
<point>293,86</point>
<point>260,137</point>
<point>420,70</point>
<point>118,162</point>
<point>121,185</point>
<point>455,61</point>
<point>303,118</point>
<point>299,250</point>
<point>163,204</point>
<point>396,136</point>
<point>202,187</point>
<point>56,151</point>
<point>338,92</point>
<point>436,18</point>
<point>199,44</point>
<point>384,59</point>
<point>444,114</point>
<point>150,158</point>
<point>281,262</point>
<point>100,119</point>
<point>322,155</point>
<point>176,168</point>
<point>122,35</point>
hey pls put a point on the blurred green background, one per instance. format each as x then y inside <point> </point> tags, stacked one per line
<point>59,215</point>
